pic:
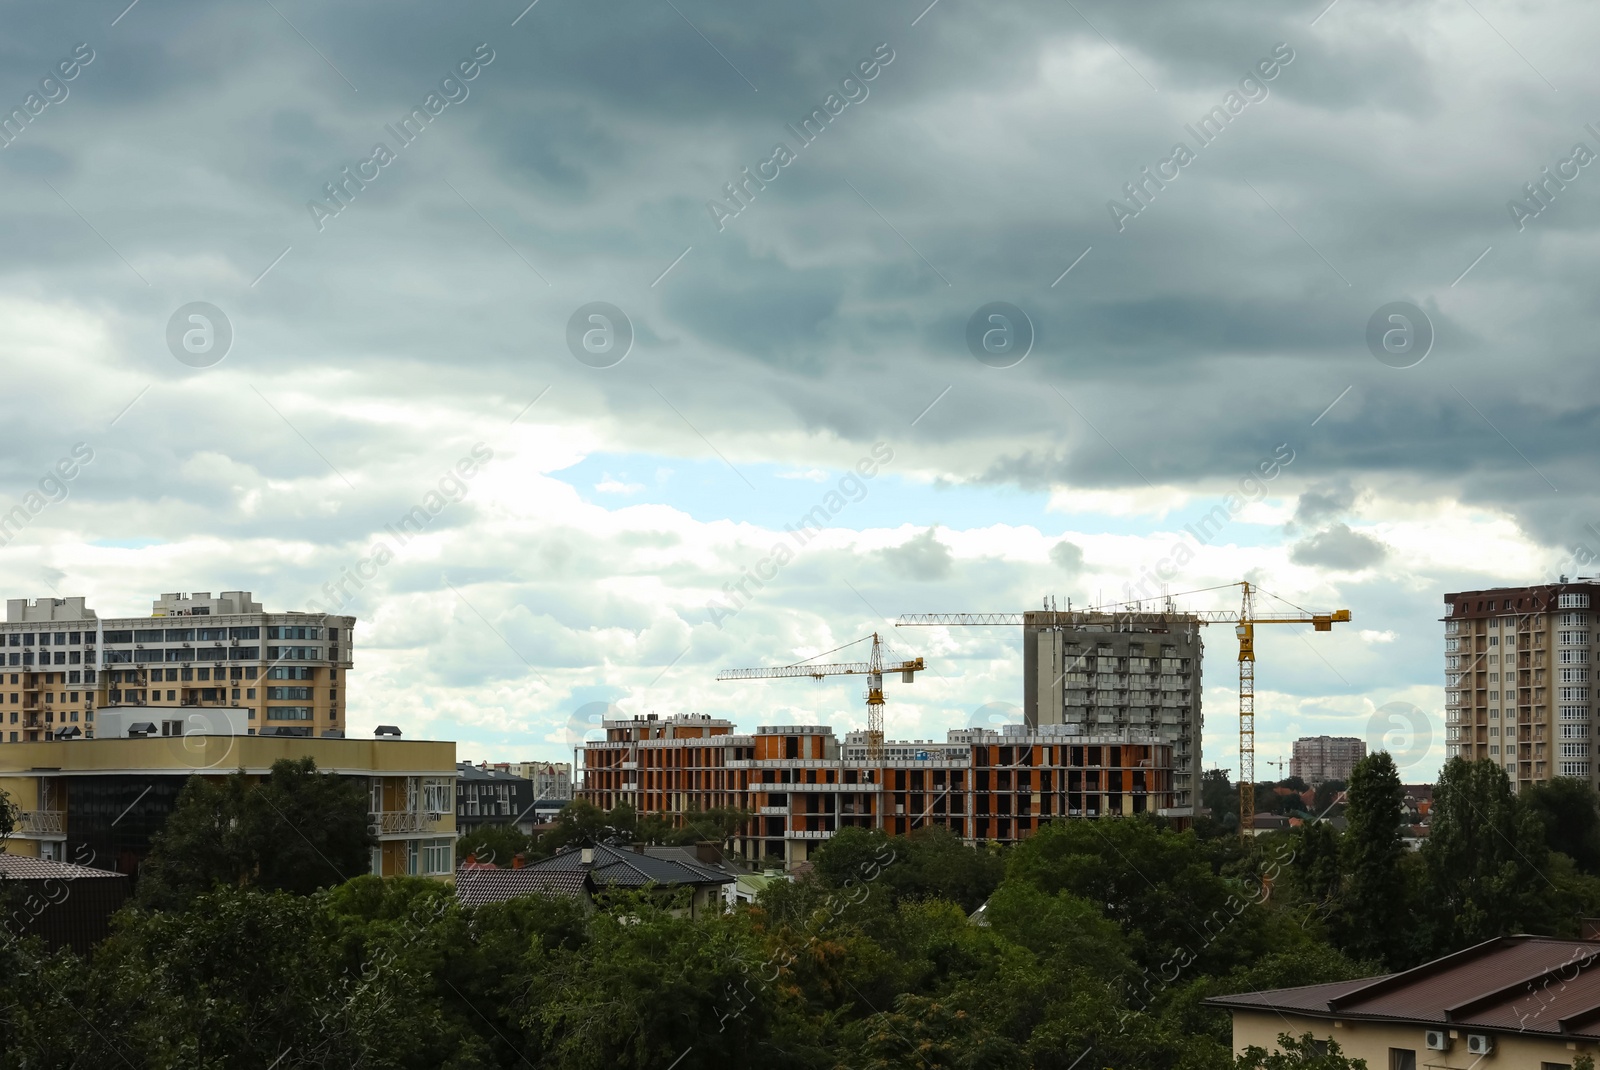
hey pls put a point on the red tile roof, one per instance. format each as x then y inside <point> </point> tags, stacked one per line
<point>1516,983</point>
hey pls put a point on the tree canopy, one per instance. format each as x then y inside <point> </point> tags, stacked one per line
<point>1095,943</point>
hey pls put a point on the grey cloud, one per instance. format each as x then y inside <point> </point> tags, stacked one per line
<point>1323,502</point>
<point>922,557</point>
<point>1339,548</point>
<point>1067,556</point>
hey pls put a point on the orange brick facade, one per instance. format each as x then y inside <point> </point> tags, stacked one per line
<point>802,785</point>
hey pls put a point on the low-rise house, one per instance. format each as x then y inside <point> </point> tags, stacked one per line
<point>63,904</point>
<point>1515,1001</point>
<point>589,873</point>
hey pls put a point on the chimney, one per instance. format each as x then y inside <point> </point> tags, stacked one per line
<point>518,860</point>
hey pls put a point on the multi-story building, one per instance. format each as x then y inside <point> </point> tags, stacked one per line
<point>99,801</point>
<point>493,795</point>
<point>802,786</point>
<point>1116,673</point>
<point>551,780</point>
<point>1519,668</point>
<point>1321,758</point>
<point>62,662</point>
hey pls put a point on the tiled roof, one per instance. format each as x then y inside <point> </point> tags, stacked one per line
<point>476,887</point>
<point>566,875</point>
<point>1523,983</point>
<point>627,868</point>
<point>467,771</point>
<point>20,868</point>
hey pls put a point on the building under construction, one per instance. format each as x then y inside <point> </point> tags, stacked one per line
<point>1117,673</point>
<point>802,785</point>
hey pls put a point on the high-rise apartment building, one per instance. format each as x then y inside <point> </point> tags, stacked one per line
<point>551,780</point>
<point>1119,672</point>
<point>60,662</point>
<point>1518,675</point>
<point>1321,758</point>
<point>803,786</point>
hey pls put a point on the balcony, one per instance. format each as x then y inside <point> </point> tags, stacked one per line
<point>773,810</point>
<point>34,824</point>
<point>401,822</point>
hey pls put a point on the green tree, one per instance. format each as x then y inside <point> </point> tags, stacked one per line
<point>1485,857</point>
<point>1304,1052</point>
<point>718,824</point>
<point>496,845</point>
<point>930,863</point>
<point>241,979</point>
<point>1219,795</point>
<point>1569,810</point>
<point>925,1032</point>
<point>297,830</point>
<point>582,822</point>
<point>646,989</point>
<point>1327,792</point>
<point>1314,875</point>
<point>1158,886</point>
<point>1373,907</point>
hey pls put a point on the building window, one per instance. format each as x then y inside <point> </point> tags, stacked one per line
<point>1402,1059</point>
<point>288,713</point>
<point>437,856</point>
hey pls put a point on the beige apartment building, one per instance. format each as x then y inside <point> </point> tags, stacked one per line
<point>1518,675</point>
<point>1518,1002</point>
<point>1317,759</point>
<point>101,801</point>
<point>60,662</point>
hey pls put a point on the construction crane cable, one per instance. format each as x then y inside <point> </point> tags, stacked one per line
<point>1285,601</point>
<point>825,653</point>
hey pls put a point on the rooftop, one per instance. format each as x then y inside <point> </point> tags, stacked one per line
<point>17,867</point>
<point>1510,984</point>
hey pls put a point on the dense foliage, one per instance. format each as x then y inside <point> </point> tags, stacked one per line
<point>1093,944</point>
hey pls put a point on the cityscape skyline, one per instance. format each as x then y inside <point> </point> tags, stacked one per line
<point>252,392</point>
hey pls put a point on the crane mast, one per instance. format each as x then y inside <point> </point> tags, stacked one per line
<point>873,668</point>
<point>1244,621</point>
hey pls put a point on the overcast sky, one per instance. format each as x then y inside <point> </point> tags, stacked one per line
<point>1357,156</point>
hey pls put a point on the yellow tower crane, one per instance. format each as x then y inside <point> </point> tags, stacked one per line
<point>873,669</point>
<point>1244,621</point>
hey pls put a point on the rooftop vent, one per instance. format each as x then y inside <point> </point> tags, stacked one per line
<point>387,730</point>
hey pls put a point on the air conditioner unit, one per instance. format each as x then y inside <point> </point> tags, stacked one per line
<point>1437,1040</point>
<point>1479,1044</point>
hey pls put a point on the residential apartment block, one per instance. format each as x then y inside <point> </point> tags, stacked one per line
<point>551,780</point>
<point>1119,673</point>
<point>1519,669</point>
<point>494,795</point>
<point>802,785</point>
<point>60,662</point>
<point>1321,758</point>
<point>99,801</point>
